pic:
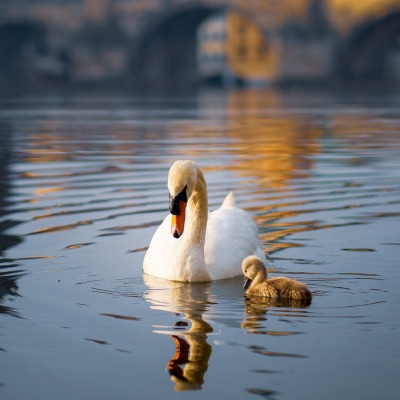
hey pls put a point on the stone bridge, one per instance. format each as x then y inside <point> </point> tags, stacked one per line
<point>153,42</point>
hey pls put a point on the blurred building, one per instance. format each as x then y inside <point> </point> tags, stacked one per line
<point>231,51</point>
<point>249,54</point>
<point>212,65</point>
<point>154,43</point>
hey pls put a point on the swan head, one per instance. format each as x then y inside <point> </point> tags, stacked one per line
<point>253,267</point>
<point>182,179</point>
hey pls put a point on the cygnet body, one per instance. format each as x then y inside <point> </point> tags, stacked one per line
<point>257,284</point>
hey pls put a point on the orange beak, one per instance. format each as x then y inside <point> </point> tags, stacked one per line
<point>178,221</point>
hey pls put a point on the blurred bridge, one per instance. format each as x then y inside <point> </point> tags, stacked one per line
<point>153,42</point>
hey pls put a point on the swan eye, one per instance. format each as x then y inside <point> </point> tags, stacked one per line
<point>182,196</point>
<point>174,201</point>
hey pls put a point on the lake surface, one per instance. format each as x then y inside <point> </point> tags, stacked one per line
<point>83,188</point>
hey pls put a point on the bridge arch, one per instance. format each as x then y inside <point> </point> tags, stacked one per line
<point>20,42</point>
<point>371,52</point>
<point>26,56</point>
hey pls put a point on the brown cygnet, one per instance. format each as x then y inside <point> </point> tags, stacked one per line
<point>257,284</point>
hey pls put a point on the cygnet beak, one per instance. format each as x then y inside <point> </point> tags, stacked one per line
<point>247,283</point>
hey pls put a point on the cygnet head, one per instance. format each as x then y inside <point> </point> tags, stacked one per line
<point>253,267</point>
<point>182,179</point>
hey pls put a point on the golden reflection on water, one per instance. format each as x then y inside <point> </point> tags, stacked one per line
<point>261,134</point>
<point>271,144</point>
<point>189,363</point>
<point>44,191</point>
<point>268,142</point>
<point>275,148</point>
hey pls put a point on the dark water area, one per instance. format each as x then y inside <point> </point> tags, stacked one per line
<point>83,188</point>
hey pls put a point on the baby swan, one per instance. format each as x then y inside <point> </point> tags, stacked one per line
<point>257,284</point>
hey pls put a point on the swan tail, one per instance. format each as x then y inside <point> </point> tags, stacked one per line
<point>229,200</point>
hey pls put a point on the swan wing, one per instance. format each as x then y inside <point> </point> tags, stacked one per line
<point>231,236</point>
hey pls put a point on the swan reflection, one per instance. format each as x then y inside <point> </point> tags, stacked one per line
<point>189,364</point>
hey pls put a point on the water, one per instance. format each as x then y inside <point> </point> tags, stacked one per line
<point>83,188</point>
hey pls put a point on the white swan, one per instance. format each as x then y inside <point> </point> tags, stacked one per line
<point>193,245</point>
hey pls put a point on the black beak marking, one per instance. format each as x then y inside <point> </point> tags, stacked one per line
<point>247,283</point>
<point>174,202</point>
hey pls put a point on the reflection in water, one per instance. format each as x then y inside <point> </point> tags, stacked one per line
<point>8,275</point>
<point>256,309</point>
<point>321,179</point>
<point>192,351</point>
<point>278,144</point>
<point>8,287</point>
<point>265,140</point>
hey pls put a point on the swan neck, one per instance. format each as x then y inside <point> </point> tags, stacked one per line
<point>198,205</point>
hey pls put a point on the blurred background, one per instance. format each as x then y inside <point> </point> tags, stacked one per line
<point>153,45</point>
<point>99,97</point>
